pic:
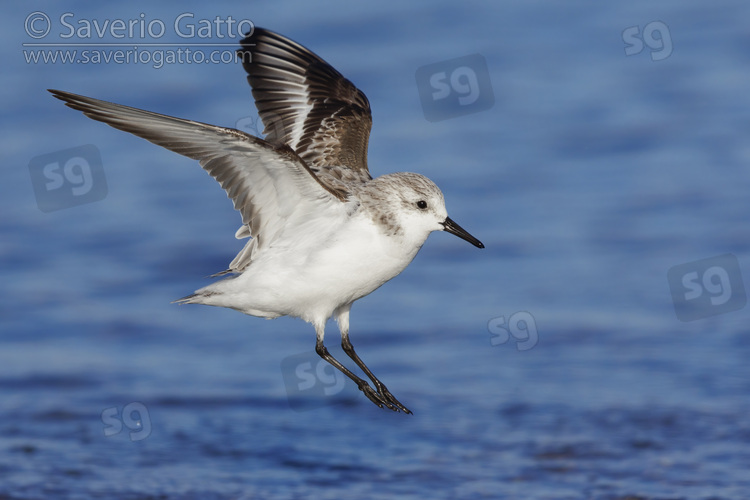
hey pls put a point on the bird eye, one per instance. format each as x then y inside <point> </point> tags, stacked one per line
<point>421,204</point>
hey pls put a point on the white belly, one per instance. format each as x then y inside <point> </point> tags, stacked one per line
<point>311,281</point>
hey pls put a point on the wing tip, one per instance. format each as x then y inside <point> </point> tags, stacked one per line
<point>60,94</point>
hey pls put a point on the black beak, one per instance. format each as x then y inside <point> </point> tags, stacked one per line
<point>454,228</point>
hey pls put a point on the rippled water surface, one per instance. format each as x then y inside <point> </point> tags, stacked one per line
<point>550,365</point>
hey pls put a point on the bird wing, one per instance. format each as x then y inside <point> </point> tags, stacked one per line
<point>268,184</point>
<point>308,105</point>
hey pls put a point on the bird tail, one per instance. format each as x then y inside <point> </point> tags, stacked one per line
<point>193,298</point>
<point>211,295</point>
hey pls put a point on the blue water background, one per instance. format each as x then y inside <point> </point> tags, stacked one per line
<point>591,176</point>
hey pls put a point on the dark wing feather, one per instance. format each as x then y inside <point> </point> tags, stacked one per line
<point>306,104</point>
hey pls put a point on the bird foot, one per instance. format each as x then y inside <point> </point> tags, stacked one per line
<point>383,397</point>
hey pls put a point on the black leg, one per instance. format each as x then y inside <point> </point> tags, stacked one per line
<point>371,394</point>
<point>380,386</point>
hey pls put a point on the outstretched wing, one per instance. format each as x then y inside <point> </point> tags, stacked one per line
<point>268,184</point>
<point>307,105</point>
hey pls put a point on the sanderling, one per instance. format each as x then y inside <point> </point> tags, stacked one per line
<point>324,232</point>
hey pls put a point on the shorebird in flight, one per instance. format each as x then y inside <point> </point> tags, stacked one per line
<point>323,232</point>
